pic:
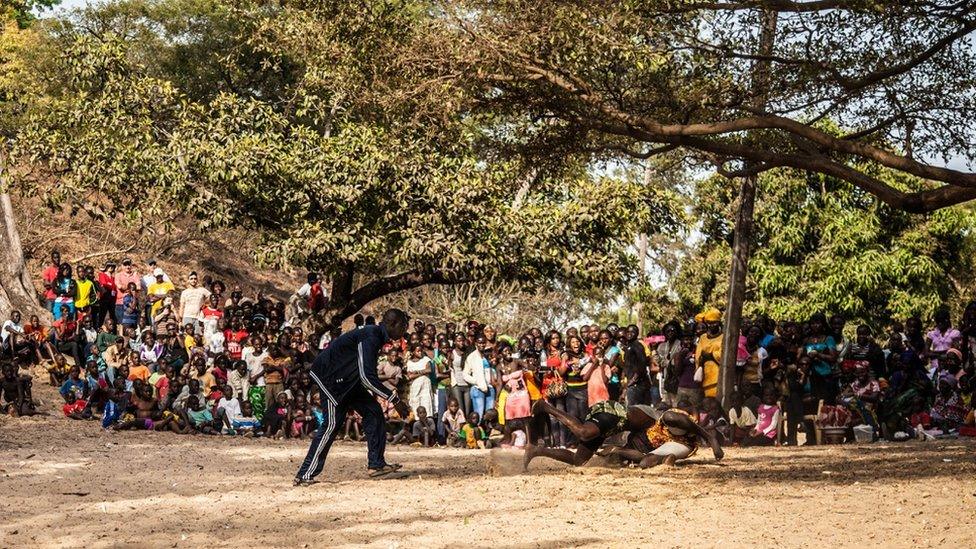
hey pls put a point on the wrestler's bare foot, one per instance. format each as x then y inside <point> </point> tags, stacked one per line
<point>670,461</point>
<point>531,451</point>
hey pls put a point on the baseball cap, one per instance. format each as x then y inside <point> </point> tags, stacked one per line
<point>157,272</point>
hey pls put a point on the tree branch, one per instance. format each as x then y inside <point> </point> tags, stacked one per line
<point>391,284</point>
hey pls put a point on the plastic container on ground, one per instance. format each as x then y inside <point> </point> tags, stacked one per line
<point>863,433</point>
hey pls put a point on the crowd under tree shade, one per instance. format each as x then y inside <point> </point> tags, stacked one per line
<point>131,350</point>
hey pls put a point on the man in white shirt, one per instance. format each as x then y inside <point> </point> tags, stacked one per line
<point>192,300</point>
<point>11,334</point>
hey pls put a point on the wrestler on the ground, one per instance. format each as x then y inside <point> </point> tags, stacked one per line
<point>609,418</point>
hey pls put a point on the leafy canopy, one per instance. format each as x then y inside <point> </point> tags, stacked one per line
<point>825,245</point>
<point>290,120</point>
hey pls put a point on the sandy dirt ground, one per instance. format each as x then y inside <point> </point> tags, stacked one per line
<point>69,484</point>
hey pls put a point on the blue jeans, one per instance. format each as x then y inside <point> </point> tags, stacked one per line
<point>441,408</point>
<point>576,406</point>
<point>481,401</point>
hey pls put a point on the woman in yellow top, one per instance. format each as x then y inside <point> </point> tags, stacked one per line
<point>708,354</point>
<point>86,289</point>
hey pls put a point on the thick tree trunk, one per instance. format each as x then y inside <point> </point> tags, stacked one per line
<point>639,305</point>
<point>744,223</point>
<point>737,287</point>
<point>16,287</point>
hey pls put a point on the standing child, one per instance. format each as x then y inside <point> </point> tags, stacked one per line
<point>518,404</point>
<point>418,373</point>
<point>298,419</point>
<point>276,418</point>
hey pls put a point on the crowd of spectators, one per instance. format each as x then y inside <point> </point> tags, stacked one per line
<point>129,350</point>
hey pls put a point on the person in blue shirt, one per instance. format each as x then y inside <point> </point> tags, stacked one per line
<point>345,374</point>
<point>74,385</point>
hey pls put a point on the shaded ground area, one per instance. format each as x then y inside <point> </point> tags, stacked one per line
<point>66,483</point>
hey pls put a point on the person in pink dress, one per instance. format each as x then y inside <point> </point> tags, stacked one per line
<point>767,422</point>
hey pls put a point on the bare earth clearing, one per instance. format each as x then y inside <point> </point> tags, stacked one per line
<point>66,483</point>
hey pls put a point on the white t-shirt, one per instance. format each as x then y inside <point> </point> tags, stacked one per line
<point>231,406</point>
<point>255,364</point>
<point>746,419</point>
<point>192,300</point>
<point>4,334</point>
<point>215,342</point>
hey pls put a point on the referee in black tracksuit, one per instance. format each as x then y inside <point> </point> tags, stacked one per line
<point>345,373</point>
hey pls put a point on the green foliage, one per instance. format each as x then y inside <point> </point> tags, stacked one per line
<point>22,11</point>
<point>823,245</point>
<point>289,120</point>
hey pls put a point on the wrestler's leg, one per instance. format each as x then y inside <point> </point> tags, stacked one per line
<point>577,458</point>
<point>582,430</point>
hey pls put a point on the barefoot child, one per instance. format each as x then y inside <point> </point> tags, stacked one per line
<point>423,429</point>
<point>454,420</point>
<point>767,422</point>
<point>472,435</point>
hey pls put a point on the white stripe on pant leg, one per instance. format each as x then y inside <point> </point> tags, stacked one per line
<point>325,436</point>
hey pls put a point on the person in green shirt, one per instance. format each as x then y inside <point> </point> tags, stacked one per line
<point>107,336</point>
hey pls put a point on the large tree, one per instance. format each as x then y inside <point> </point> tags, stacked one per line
<point>822,244</point>
<point>293,120</point>
<point>637,78</point>
<point>742,85</point>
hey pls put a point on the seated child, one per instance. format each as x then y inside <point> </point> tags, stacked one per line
<point>276,417</point>
<point>767,422</point>
<point>16,393</point>
<point>453,420</point>
<point>245,423</point>
<point>710,415</point>
<point>424,428</point>
<point>472,435</point>
<point>75,385</point>
<point>517,438</point>
<point>200,417</point>
<point>354,426</point>
<point>74,407</point>
<point>228,407</point>
<point>741,418</point>
<point>494,431</point>
<point>948,412</point>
